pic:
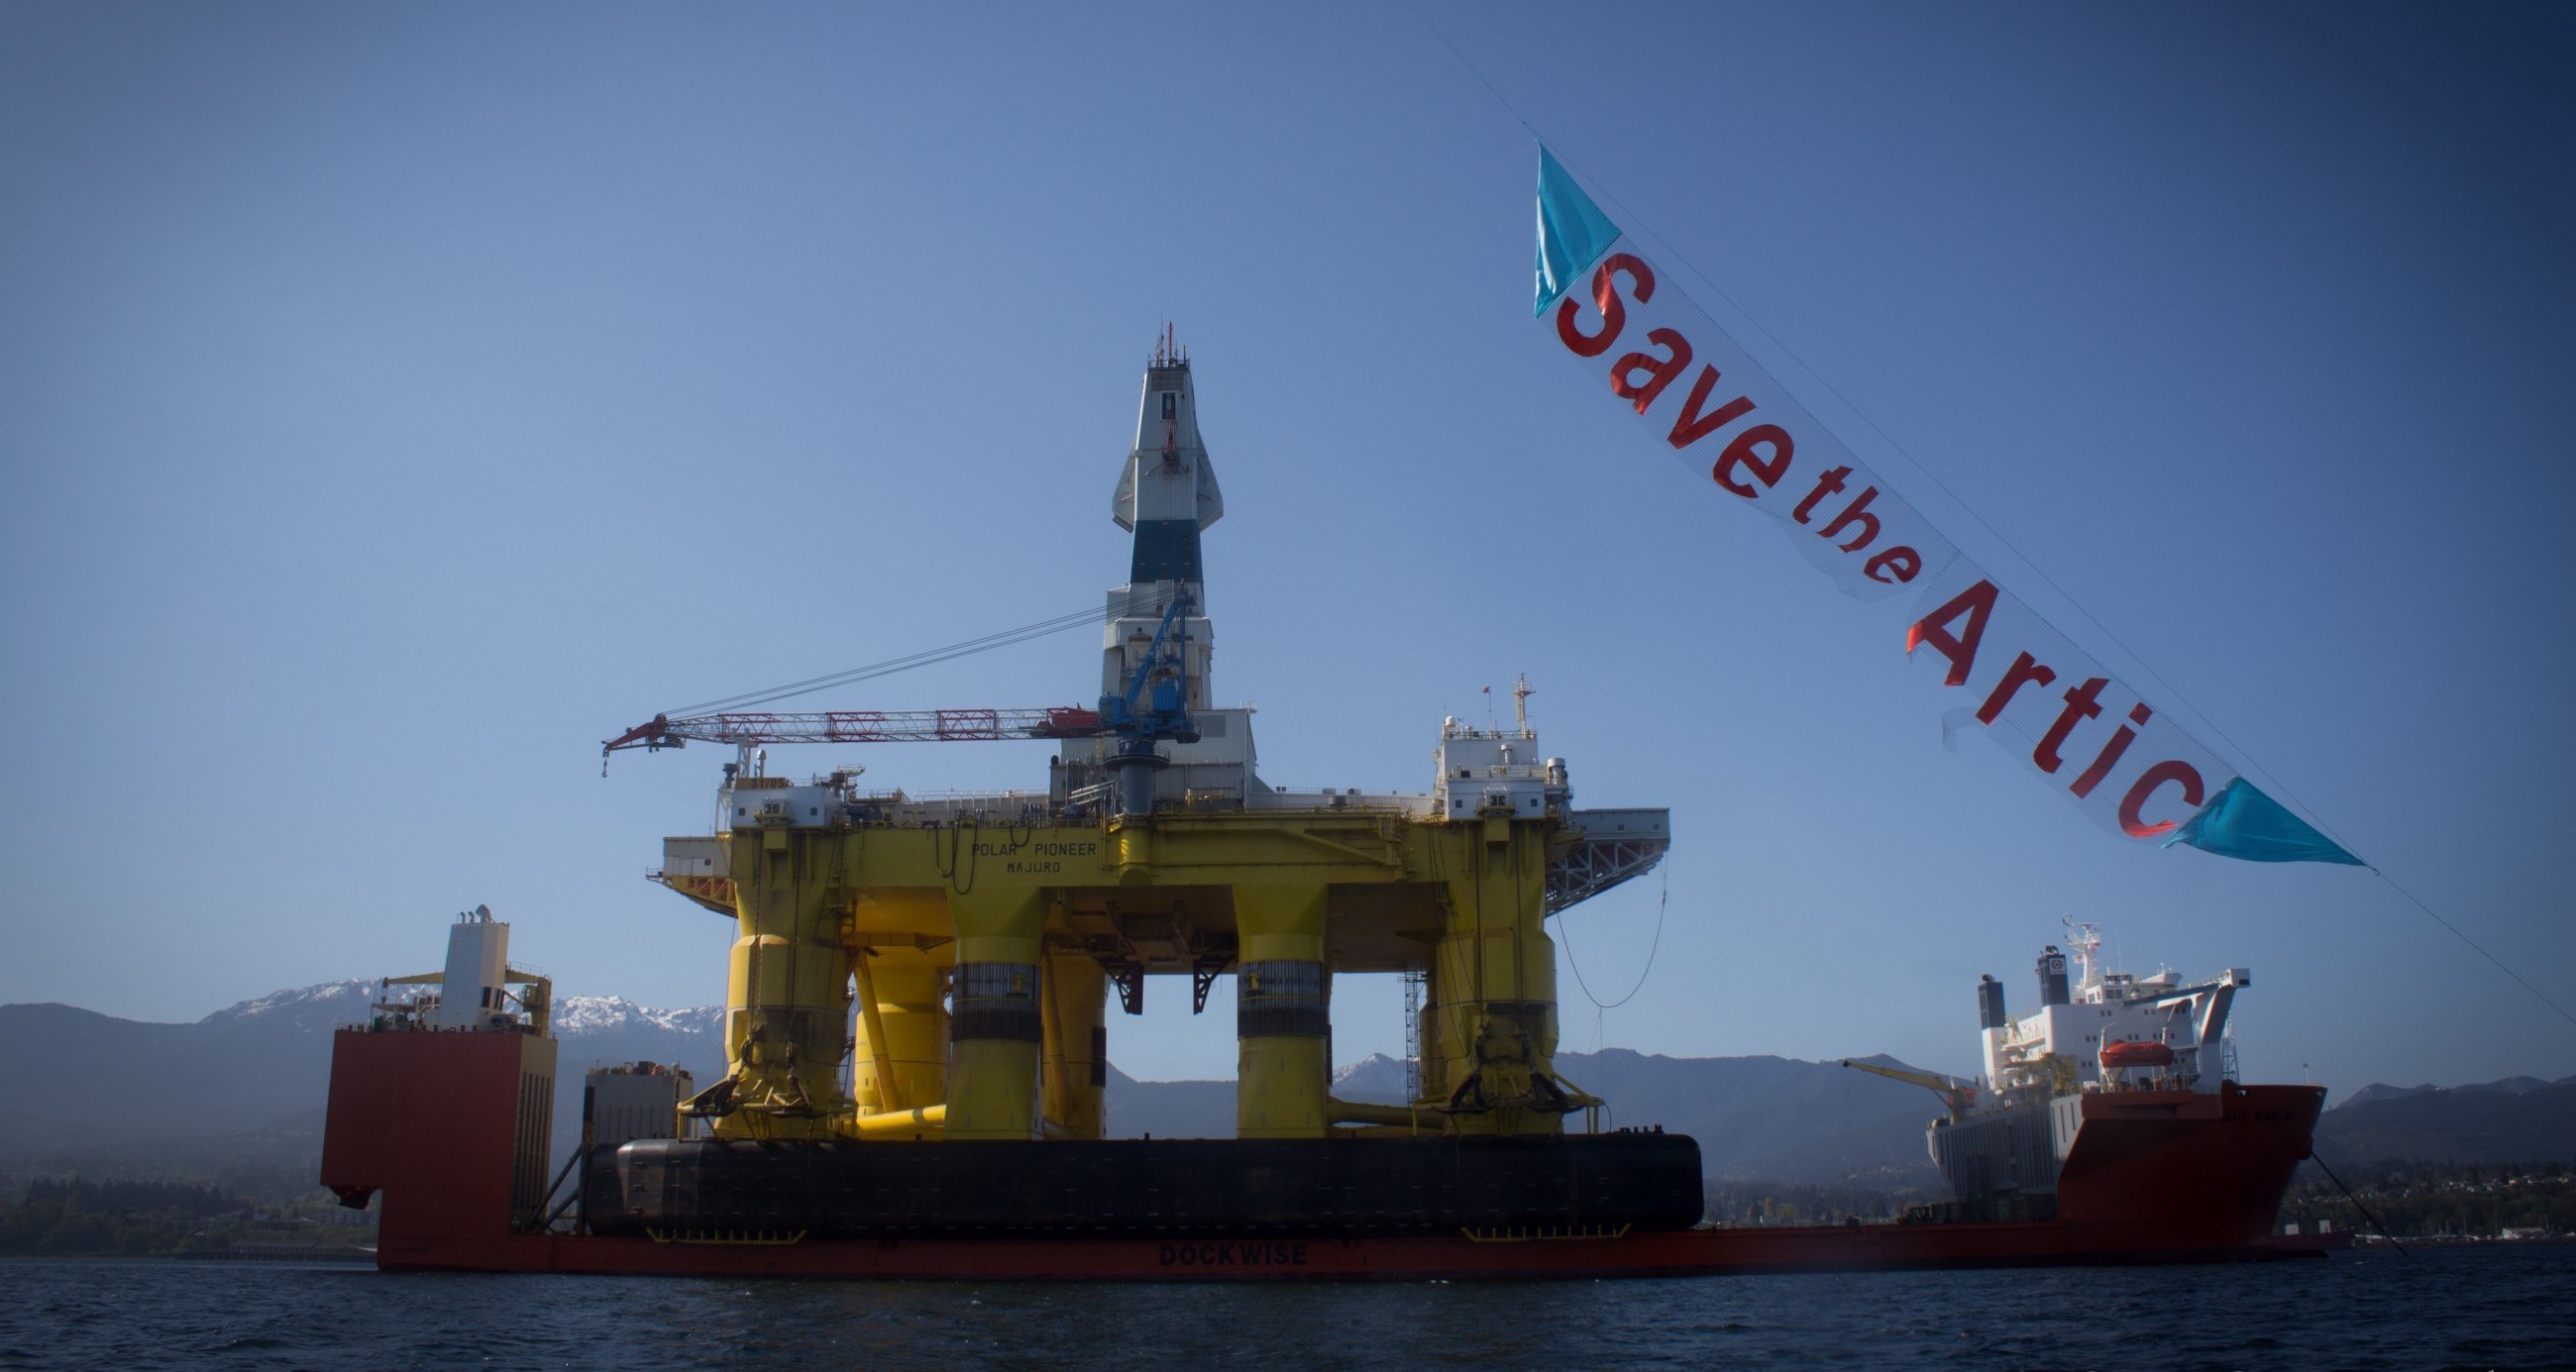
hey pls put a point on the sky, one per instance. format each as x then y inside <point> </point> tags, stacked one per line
<point>397,401</point>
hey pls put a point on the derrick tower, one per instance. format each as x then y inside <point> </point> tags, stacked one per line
<point>960,953</point>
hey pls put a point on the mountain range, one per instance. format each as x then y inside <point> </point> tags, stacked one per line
<point>2511,1086</point>
<point>237,1097</point>
<point>2517,1119</point>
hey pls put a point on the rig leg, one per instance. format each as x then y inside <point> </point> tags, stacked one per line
<point>787,997</point>
<point>908,1069</point>
<point>1494,979</point>
<point>1283,1013</point>
<point>995,1025</point>
<point>1077,1050</point>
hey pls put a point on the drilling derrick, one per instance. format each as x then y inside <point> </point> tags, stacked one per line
<point>962,952</point>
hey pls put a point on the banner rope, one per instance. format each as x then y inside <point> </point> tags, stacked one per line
<point>2500,965</point>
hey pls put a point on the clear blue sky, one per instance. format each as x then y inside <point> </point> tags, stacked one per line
<point>395,401</point>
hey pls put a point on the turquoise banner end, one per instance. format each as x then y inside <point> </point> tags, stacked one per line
<point>1573,233</point>
<point>2245,823</point>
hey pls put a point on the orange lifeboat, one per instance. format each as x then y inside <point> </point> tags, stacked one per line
<point>2136,1053</point>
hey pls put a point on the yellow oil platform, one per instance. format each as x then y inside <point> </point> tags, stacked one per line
<point>942,968</point>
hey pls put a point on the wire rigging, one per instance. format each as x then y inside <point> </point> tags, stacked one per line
<point>2356,1200</point>
<point>1564,935</point>
<point>929,657</point>
<point>2500,963</point>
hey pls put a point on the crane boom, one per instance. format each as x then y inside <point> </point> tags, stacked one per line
<point>1151,708</point>
<point>1957,1095</point>
<point>859,726</point>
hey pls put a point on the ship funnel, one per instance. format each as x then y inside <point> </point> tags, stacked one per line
<point>2052,976</point>
<point>1990,1003</point>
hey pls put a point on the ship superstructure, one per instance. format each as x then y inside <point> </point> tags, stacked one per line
<point>2102,1027</point>
<point>2117,1100</point>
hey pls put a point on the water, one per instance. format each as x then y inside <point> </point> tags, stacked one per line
<point>2492,1307</point>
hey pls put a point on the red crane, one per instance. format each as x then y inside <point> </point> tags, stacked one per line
<point>858,726</point>
<point>1139,713</point>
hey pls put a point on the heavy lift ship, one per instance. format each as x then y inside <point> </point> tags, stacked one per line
<point>959,953</point>
<point>2116,1104</point>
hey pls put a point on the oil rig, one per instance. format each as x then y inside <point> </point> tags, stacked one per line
<point>916,1027</point>
<point>980,936</point>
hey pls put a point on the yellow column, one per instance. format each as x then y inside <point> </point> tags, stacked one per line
<point>995,1025</point>
<point>1077,1058</point>
<point>907,1069</point>
<point>787,995</point>
<point>872,1081</point>
<point>1494,977</point>
<point>1282,1009</point>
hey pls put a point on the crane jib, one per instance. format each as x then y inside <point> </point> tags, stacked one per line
<point>863,726</point>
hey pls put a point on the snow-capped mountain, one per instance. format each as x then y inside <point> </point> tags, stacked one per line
<point>580,1016</point>
<point>1375,1079</point>
<point>310,1009</point>
<point>593,1029</point>
<point>68,1074</point>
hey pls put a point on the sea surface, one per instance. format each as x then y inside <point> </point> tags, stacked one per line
<point>2494,1306</point>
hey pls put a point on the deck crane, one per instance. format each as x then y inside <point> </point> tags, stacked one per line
<point>1959,1096</point>
<point>1151,708</point>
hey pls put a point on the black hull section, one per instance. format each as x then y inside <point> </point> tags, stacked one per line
<point>1503,1186</point>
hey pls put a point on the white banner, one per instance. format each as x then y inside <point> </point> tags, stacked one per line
<point>2077,727</point>
<point>1658,355</point>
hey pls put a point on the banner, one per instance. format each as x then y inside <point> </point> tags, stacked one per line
<point>1703,397</point>
<point>2127,766</point>
<point>2074,725</point>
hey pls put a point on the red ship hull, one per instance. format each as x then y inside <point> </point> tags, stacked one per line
<point>2186,1168</point>
<point>442,1124</point>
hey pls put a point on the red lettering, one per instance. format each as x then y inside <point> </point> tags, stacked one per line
<point>1614,313</point>
<point>1740,454</point>
<point>1690,426</point>
<point>1978,604</point>
<point>1858,510</point>
<point>1827,483</point>
<point>2119,744</point>
<point>1903,561</point>
<point>1663,371</point>
<point>2079,706</point>
<point>2025,671</point>
<point>2132,822</point>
